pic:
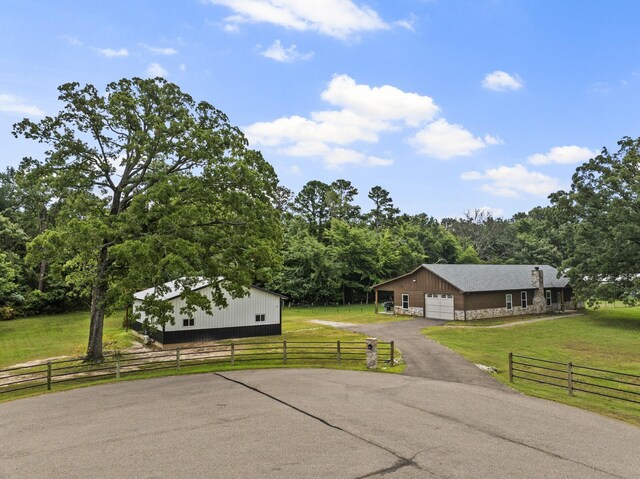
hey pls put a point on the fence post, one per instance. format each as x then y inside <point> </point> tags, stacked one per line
<point>372,353</point>
<point>339,354</point>
<point>284,352</point>
<point>178,358</point>
<point>510,367</point>
<point>48,375</point>
<point>570,378</point>
<point>117,367</point>
<point>392,354</point>
<point>233,354</point>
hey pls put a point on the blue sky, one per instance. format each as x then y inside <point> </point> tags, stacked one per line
<point>449,105</point>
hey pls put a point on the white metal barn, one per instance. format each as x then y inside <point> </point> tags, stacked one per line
<point>258,314</point>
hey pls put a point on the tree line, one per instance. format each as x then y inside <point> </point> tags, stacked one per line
<point>141,185</point>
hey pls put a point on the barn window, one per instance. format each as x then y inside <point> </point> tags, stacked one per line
<point>405,301</point>
<point>259,318</point>
<point>548,296</point>
<point>188,322</point>
<point>509,302</point>
<point>523,299</point>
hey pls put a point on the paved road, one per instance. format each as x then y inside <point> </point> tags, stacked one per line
<point>296,423</point>
<point>426,358</point>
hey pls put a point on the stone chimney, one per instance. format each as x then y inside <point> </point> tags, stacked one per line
<point>537,281</point>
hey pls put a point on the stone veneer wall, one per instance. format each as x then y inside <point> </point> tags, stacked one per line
<point>412,311</point>
<point>499,312</point>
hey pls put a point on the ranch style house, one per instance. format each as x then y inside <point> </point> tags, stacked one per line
<point>473,291</point>
<point>257,314</point>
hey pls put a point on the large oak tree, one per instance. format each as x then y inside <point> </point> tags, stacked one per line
<point>154,187</point>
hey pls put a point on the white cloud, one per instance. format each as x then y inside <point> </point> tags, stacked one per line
<point>159,50</point>
<point>493,212</point>
<point>295,170</point>
<point>563,155</point>
<point>156,70</point>
<point>511,181</point>
<point>281,54</point>
<point>336,18</point>
<point>384,103</point>
<point>14,104</point>
<point>444,140</point>
<point>502,81</point>
<point>111,53</point>
<point>72,40</point>
<point>182,67</point>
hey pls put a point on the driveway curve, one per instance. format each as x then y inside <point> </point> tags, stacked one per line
<point>425,358</point>
<point>297,423</point>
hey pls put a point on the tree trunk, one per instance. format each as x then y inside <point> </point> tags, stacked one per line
<point>98,306</point>
<point>42,276</point>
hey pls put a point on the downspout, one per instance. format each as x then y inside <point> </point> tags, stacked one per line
<point>464,304</point>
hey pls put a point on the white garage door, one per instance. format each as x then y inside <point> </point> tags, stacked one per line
<point>438,306</point>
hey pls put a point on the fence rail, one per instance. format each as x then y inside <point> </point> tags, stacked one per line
<point>576,378</point>
<point>46,375</point>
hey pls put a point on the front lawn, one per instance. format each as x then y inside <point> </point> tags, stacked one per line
<point>605,338</point>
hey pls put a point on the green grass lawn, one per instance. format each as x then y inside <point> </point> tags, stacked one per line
<point>604,338</point>
<point>41,337</point>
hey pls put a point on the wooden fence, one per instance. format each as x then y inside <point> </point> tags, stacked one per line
<point>45,376</point>
<point>575,378</point>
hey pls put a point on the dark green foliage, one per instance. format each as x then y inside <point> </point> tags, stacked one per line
<point>601,213</point>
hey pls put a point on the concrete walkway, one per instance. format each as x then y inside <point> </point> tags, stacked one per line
<point>424,357</point>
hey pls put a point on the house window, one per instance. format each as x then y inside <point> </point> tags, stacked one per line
<point>509,302</point>
<point>259,318</point>
<point>405,301</point>
<point>523,299</point>
<point>548,296</point>
<point>188,322</point>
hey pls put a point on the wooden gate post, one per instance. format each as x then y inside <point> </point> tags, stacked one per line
<point>178,358</point>
<point>510,367</point>
<point>117,367</point>
<point>570,378</point>
<point>339,353</point>
<point>284,352</point>
<point>48,375</point>
<point>392,354</point>
<point>233,354</point>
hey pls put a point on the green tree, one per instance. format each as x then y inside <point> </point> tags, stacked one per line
<point>155,187</point>
<point>602,214</point>
<point>340,199</point>
<point>312,205</point>
<point>383,211</point>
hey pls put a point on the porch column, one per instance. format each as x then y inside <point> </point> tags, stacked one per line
<point>376,308</point>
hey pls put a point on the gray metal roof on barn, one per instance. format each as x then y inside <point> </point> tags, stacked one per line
<point>495,277</point>
<point>174,290</point>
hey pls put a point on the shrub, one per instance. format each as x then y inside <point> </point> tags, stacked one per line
<point>7,313</point>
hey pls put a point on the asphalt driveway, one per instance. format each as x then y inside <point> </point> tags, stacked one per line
<point>424,357</point>
<point>296,423</point>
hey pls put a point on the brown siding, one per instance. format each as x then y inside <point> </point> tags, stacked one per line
<point>425,282</point>
<point>496,299</point>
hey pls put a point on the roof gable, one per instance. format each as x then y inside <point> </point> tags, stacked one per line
<point>174,292</point>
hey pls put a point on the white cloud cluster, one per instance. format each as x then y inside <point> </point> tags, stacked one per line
<point>159,50</point>
<point>111,52</point>
<point>14,104</point>
<point>364,113</point>
<point>502,81</point>
<point>286,55</point>
<point>512,181</point>
<point>156,70</point>
<point>335,18</point>
<point>564,155</point>
<point>444,140</point>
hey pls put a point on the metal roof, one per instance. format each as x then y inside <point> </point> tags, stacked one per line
<point>495,277</point>
<point>174,292</point>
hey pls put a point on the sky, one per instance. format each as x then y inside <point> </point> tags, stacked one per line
<point>450,105</point>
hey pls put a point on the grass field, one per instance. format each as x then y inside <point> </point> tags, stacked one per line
<point>42,337</point>
<point>605,338</point>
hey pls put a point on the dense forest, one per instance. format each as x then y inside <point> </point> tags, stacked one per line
<point>143,185</point>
